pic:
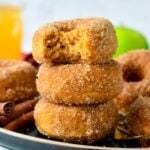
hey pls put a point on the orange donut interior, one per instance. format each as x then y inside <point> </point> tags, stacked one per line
<point>66,45</point>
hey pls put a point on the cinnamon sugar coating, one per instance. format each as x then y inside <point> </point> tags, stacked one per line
<point>80,83</point>
<point>139,116</point>
<point>17,80</point>
<point>75,123</point>
<point>89,41</point>
<point>136,74</point>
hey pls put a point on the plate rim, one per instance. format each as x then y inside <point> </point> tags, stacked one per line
<point>59,143</point>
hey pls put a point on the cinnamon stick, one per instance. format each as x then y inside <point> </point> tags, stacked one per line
<point>6,108</point>
<point>20,109</point>
<point>21,122</point>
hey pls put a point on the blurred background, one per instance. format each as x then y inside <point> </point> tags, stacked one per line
<point>17,24</point>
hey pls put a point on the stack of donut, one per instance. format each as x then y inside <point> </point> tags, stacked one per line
<point>77,79</point>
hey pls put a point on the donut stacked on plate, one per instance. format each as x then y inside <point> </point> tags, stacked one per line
<point>77,79</point>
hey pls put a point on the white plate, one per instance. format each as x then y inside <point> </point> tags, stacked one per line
<point>13,140</point>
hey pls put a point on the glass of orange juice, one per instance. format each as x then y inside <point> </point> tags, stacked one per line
<point>10,31</point>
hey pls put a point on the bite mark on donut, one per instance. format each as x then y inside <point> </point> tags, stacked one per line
<point>65,46</point>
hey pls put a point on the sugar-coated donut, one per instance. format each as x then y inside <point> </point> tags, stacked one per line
<point>139,116</point>
<point>17,80</point>
<point>80,83</point>
<point>90,41</point>
<point>136,74</point>
<point>75,123</point>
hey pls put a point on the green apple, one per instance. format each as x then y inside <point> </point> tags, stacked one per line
<point>129,39</point>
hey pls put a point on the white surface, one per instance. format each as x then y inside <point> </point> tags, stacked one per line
<point>1,148</point>
<point>131,13</point>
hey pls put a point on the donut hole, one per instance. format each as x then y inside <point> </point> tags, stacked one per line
<point>132,75</point>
